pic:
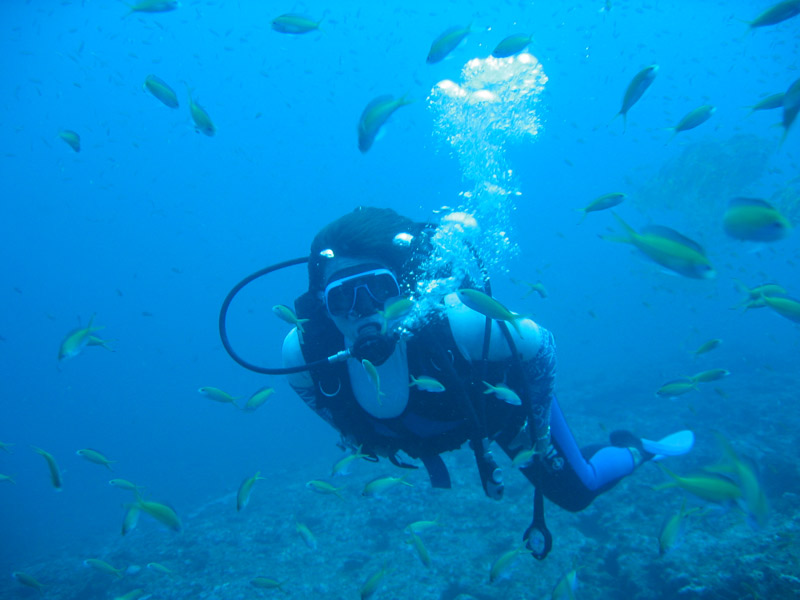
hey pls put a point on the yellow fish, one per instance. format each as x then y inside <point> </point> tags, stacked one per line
<point>159,88</point>
<point>124,484</point>
<point>372,583</point>
<point>76,340</point>
<point>707,346</point>
<point>55,473</point>
<point>755,220</point>
<point>28,580</point>
<point>258,398</point>
<point>374,116</point>
<point>777,14</point>
<point>711,489</point>
<point>523,457</point>
<point>104,567</point>
<point>306,534</point>
<point>753,498</point>
<point>503,392</point>
<point>537,287</point>
<point>668,248</point>
<point>446,42</point>
<point>565,588</point>
<point>284,313</point>
<point>374,377</point>
<point>710,375</point>
<point>132,595</point>
<point>322,487</point>
<point>162,513</point>
<point>265,583</point>
<point>638,86</point>
<point>381,484</point>
<point>603,202</point>
<point>95,457</point>
<point>131,519</point>
<point>340,468</point>
<point>159,568</point>
<point>419,526</point>
<point>489,307</point>
<point>202,122</point>
<point>427,384</point>
<point>72,139</point>
<point>154,6</point>
<point>676,388</point>
<point>218,395</point>
<point>395,309</point>
<point>243,495</point>
<point>295,24</point>
<point>501,566</point>
<point>785,307</point>
<point>422,551</point>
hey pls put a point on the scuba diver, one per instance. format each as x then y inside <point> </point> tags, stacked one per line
<point>460,375</point>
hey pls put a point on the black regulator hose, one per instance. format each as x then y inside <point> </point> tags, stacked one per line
<point>223,329</point>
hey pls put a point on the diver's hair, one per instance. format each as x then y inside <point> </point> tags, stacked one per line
<point>368,233</point>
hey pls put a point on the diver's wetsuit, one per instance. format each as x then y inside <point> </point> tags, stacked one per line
<point>424,424</point>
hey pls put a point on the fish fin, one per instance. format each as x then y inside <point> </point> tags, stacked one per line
<point>742,201</point>
<point>671,234</point>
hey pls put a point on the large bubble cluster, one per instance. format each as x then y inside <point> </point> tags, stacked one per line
<point>495,103</point>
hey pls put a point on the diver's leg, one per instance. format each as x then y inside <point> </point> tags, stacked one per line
<point>573,477</point>
<point>605,466</point>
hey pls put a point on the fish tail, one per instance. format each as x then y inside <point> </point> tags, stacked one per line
<point>489,388</point>
<point>670,473</point>
<point>515,325</point>
<point>783,137</point>
<point>741,287</point>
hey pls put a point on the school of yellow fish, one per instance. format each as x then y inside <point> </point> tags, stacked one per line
<point>732,482</point>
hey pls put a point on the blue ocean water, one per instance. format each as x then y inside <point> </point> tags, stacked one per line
<point>151,223</point>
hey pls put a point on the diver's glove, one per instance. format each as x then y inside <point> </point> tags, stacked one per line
<point>491,474</point>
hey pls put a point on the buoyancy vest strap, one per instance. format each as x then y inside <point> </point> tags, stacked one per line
<point>437,471</point>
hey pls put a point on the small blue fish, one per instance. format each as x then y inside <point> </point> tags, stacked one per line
<point>694,118</point>
<point>755,220</point>
<point>638,86</point>
<point>445,43</point>
<point>513,44</point>
<point>375,115</point>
